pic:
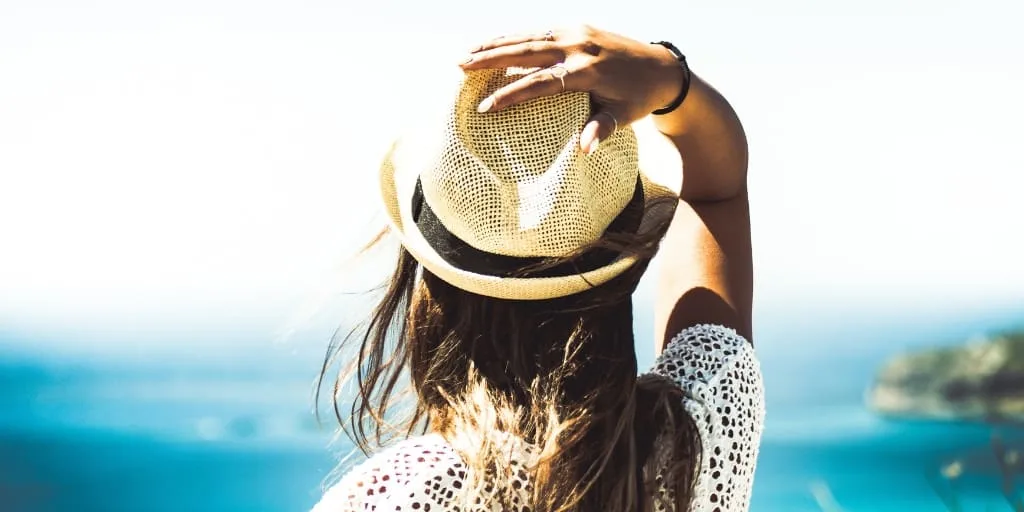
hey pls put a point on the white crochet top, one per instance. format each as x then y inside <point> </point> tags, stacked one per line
<point>714,364</point>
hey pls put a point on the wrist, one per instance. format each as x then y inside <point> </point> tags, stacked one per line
<point>669,77</point>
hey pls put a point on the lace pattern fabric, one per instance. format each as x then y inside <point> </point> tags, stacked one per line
<point>713,364</point>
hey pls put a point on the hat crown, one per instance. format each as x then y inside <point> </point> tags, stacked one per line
<point>516,183</point>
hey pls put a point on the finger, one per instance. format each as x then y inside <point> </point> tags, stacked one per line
<point>515,39</point>
<point>527,55</point>
<point>543,82</point>
<point>601,125</point>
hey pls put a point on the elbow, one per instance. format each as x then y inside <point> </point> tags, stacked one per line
<point>730,182</point>
<point>715,171</point>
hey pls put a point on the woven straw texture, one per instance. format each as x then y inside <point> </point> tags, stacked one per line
<point>516,183</point>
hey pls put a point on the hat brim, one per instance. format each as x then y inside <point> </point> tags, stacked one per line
<point>661,175</point>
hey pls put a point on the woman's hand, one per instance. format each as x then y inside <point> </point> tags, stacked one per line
<point>627,79</point>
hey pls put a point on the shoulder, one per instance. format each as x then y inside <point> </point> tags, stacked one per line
<point>721,377</point>
<point>704,353</point>
<point>717,369</point>
<point>422,473</point>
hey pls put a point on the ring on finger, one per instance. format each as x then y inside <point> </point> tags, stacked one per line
<point>549,36</point>
<point>615,122</point>
<point>559,71</point>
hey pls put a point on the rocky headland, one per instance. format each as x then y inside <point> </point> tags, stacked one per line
<point>982,380</point>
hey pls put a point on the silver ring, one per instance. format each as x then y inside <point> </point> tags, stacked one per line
<point>549,36</point>
<point>560,75</point>
<point>615,128</point>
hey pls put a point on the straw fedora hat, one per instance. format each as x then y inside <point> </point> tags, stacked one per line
<point>476,197</point>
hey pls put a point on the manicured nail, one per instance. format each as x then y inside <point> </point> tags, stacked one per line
<point>467,61</point>
<point>593,146</point>
<point>485,105</point>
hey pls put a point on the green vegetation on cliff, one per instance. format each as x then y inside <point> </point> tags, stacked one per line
<point>980,381</point>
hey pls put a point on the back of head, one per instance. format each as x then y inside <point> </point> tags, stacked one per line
<point>510,309</point>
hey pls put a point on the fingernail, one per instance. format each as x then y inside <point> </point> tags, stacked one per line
<point>467,61</point>
<point>593,146</point>
<point>485,105</point>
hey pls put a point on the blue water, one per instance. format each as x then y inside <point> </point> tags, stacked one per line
<point>106,434</point>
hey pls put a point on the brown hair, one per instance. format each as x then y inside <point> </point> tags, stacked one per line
<point>559,374</point>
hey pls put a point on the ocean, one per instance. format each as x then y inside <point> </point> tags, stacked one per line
<point>108,434</point>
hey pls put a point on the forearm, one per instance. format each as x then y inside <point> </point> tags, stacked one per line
<point>712,143</point>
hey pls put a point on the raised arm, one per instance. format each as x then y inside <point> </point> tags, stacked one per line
<point>706,268</point>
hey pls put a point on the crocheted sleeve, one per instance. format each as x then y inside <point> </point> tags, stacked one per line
<point>717,369</point>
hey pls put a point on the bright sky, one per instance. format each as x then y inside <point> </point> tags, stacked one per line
<point>210,161</point>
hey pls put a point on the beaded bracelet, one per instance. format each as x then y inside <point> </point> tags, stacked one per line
<point>687,75</point>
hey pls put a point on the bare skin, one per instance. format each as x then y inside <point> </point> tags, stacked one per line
<point>707,274</point>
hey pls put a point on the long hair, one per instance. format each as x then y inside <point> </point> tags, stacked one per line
<point>560,375</point>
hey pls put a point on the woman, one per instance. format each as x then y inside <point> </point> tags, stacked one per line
<point>528,210</point>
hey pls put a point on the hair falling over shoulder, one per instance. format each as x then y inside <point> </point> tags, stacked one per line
<point>556,380</point>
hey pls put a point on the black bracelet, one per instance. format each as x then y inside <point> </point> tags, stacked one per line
<point>687,75</point>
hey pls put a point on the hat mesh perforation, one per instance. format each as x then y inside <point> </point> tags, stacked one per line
<point>516,183</point>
